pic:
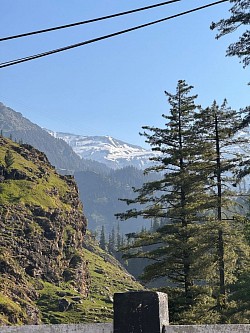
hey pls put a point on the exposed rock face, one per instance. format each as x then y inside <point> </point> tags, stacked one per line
<point>42,229</point>
<point>45,244</point>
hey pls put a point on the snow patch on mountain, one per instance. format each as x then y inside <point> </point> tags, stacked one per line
<point>105,149</point>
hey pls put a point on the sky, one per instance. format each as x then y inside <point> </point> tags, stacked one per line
<point>116,86</point>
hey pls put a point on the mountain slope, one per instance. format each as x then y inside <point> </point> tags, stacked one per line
<point>46,274</point>
<point>105,149</point>
<point>61,155</point>
<point>101,193</point>
<point>42,231</point>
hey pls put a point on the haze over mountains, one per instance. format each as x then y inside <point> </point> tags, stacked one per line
<point>100,184</point>
<point>71,151</point>
<point>59,153</point>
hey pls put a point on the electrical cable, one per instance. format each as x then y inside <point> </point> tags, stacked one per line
<point>32,57</point>
<point>87,21</point>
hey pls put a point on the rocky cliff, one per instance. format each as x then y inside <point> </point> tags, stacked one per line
<point>42,232</point>
<point>44,274</point>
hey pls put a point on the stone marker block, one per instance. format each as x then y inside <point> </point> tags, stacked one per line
<point>140,312</point>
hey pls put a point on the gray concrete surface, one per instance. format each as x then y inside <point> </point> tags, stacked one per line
<point>108,328</point>
<point>209,329</point>
<point>78,328</point>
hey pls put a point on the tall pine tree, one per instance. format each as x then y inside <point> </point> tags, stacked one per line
<point>178,197</point>
<point>218,126</point>
<point>102,243</point>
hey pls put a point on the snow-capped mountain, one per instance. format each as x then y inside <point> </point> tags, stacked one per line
<point>118,154</point>
<point>105,149</point>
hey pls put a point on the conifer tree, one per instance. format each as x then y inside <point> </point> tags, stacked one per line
<point>239,17</point>
<point>102,242</point>
<point>218,127</point>
<point>111,242</point>
<point>9,159</point>
<point>177,196</point>
<point>118,237</point>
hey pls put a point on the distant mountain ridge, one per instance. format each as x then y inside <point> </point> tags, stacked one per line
<point>100,186</point>
<point>72,152</point>
<point>59,153</point>
<point>116,154</point>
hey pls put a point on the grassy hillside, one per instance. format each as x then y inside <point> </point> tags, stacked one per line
<point>51,271</point>
<point>38,183</point>
<point>107,277</point>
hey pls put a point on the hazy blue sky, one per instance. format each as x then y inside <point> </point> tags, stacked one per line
<point>116,86</point>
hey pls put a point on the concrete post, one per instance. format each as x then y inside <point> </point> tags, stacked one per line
<point>140,312</point>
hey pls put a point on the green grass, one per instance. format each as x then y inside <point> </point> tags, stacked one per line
<point>107,278</point>
<point>26,192</point>
<point>38,189</point>
<point>11,312</point>
<point>19,161</point>
<point>82,310</point>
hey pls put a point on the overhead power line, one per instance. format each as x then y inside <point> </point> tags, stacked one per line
<point>44,54</point>
<point>87,21</point>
